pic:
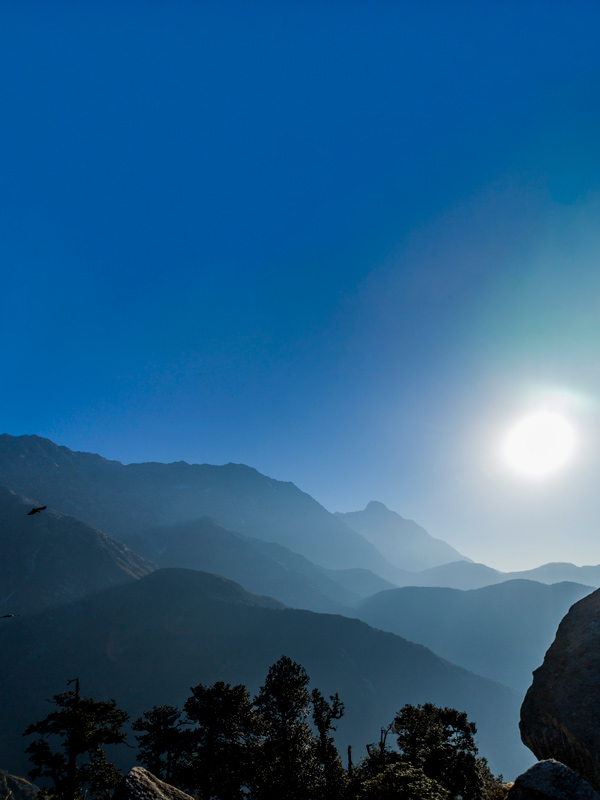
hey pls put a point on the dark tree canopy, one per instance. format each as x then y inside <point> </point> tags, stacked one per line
<point>69,751</point>
<point>440,742</point>
<point>332,778</point>
<point>288,761</point>
<point>222,743</point>
<point>160,741</point>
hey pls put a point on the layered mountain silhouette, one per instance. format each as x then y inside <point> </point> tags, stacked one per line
<point>500,631</point>
<point>126,500</point>
<point>50,559</point>
<point>561,571</point>
<point>260,567</point>
<point>471,575</point>
<point>91,606</point>
<point>147,642</point>
<point>455,575</point>
<point>403,543</point>
<point>129,501</point>
<point>360,582</point>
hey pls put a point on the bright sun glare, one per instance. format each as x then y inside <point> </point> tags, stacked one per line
<point>539,444</point>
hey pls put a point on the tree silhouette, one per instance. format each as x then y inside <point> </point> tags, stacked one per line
<point>440,742</point>
<point>79,727</point>
<point>288,763</point>
<point>221,748</point>
<point>332,781</point>
<point>161,741</point>
<point>228,747</point>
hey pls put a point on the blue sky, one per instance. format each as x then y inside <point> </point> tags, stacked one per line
<point>344,243</point>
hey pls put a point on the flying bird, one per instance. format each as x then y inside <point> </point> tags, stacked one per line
<point>36,510</point>
<point>8,616</point>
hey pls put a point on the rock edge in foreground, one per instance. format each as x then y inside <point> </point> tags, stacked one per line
<point>139,784</point>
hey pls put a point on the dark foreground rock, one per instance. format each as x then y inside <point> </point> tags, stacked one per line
<point>140,784</point>
<point>551,780</point>
<point>559,716</point>
<point>16,788</point>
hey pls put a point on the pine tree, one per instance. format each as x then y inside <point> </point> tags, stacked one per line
<point>161,741</point>
<point>288,763</point>
<point>332,779</point>
<point>222,744</point>
<point>79,727</point>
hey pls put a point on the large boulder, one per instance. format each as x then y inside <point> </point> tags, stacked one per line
<point>16,788</point>
<point>140,784</point>
<point>550,780</point>
<point>559,716</point>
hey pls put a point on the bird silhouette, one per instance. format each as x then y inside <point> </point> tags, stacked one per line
<point>8,616</point>
<point>36,510</point>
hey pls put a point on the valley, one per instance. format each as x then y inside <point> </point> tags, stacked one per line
<point>145,579</point>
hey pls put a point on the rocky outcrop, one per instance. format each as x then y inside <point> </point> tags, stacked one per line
<point>140,784</point>
<point>16,788</point>
<point>550,780</point>
<point>559,716</point>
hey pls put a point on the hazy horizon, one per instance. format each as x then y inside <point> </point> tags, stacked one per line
<point>346,245</point>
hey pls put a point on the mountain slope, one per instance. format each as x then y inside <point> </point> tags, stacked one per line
<point>49,559</point>
<point>361,582</point>
<point>561,571</point>
<point>261,567</point>
<point>148,642</point>
<point>499,631</point>
<point>456,575</point>
<point>403,543</point>
<point>124,500</point>
<point>470,575</point>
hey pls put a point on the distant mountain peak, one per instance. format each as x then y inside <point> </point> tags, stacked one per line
<point>401,541</point>
<point>376,505</point>
<point>380,512</point>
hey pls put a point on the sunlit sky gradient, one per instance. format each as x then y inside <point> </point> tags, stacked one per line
<point>348,244</point>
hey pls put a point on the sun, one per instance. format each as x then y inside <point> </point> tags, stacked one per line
<point>539,444</point>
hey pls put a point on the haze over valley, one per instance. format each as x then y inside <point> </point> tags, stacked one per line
<point>180,572</point>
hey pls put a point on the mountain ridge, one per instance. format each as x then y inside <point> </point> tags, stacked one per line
<point>50,558</point>
<point>403,542</point>
<point>477,628</point>
<point>260,567</point>
<point>148,641</point>
<point>124,500</point>
<point>468,575</point>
